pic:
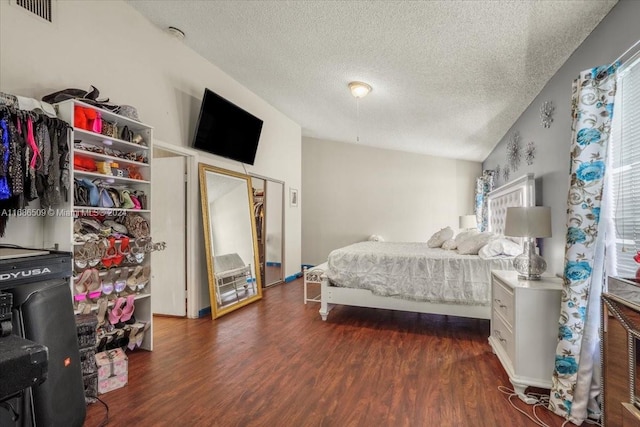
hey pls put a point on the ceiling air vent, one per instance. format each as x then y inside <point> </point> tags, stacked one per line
<point>42,8</point>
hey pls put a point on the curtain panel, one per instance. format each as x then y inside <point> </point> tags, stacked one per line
<point>484,184</point>
<point>592,111</point>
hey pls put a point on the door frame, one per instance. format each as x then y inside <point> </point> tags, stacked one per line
<point>192,207</point>
<point>282,249</point>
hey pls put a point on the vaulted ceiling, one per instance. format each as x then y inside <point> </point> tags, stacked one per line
<point>449,78</point>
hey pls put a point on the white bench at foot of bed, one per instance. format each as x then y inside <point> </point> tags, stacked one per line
<point>333,295</point>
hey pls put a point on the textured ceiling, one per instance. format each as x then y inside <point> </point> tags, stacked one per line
<point>449,78</point>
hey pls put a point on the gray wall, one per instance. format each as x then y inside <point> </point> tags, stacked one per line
<point>617,32</point>
<point>352,191</point>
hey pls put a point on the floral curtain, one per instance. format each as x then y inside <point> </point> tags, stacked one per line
<point>592,110</point>
<point>484,185</point>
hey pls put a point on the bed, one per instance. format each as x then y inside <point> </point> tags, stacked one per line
<point>412,277</point>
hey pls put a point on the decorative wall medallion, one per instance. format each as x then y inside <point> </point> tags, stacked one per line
<point>505,173</point>
<point>498,171</point>
<point>546,113</point>
<point>514,153</point>
<point>530,152</point>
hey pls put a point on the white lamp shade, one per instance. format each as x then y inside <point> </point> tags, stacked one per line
<point>532,221</point>
<point>468,221</point>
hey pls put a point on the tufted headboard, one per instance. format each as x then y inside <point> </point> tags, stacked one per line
<point>520,192</point>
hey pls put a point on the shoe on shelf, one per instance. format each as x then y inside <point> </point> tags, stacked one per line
<point>144,278</point>
<point>134,279</point>
<point>103,303</point>
<point>128,309</point>
<point>121,282</point>
<point>80,284</point>
<point>116,311</point>
<point>94,287</point>
<point>108,282</point>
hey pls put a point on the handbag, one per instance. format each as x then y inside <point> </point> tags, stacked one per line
<point>126,134</point>
<point>138,226</point>
<point>109,129</point>
<point>80,194</point>
<point>142,198</point>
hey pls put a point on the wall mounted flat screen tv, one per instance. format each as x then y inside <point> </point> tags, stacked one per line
<point>226,130</point>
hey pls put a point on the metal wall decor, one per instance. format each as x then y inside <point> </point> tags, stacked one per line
<point>498,173</point>
<point>546,113</point>
<point>530,152</point>
<point>505,173</point>
<point>514,152</point>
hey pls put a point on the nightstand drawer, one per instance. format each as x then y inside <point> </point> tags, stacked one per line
<point>503,301</point>
<point>504,335</point>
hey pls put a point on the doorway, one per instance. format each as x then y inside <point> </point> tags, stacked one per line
<point>169,203</point>
<point>268,211</point>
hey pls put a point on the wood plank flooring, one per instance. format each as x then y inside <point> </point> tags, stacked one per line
<point>276,363</point>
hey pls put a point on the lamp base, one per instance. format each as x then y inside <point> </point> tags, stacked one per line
<point>529,264</point>
<point>532,277</point>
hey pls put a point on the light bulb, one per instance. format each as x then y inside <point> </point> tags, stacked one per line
<point>359,89</point>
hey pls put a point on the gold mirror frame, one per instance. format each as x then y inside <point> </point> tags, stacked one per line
<point>230,282</point>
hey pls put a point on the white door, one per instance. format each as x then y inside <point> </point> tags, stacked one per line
<point>168,204</point>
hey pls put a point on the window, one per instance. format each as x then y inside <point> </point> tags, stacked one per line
<point>624,165</point>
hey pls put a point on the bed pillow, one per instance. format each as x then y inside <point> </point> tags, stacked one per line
<point>500,248</point>
<point>440,237</point>
<point>464,235</point>
<point>449,245</point>
<point>473,244</point>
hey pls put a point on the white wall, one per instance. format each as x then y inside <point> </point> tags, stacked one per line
<point>615,33</point>
<point>350,192</point>
<point>110,45</point>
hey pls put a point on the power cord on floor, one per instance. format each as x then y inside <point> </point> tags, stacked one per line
<point>536,400</point>
<point>105,421</point>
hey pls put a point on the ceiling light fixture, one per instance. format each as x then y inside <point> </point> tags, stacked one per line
<point>359,89</point>
<point>176,32</point>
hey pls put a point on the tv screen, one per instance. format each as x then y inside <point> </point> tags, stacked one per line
<point>226,130</point>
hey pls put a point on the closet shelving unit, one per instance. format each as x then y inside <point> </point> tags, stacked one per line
<point>59,228</point>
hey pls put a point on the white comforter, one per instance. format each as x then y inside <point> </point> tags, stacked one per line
<point>414,271</point>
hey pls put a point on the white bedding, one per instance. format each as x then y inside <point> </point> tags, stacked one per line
<point>414,271</point>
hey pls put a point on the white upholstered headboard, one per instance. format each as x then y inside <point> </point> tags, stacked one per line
<point>520,192</point>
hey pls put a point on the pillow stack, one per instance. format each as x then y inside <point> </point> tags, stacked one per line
<point>472,244</point>
<point>440,237</point>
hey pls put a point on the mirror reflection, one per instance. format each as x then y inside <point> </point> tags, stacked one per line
<point>268,197</point>
<point>230,239</point>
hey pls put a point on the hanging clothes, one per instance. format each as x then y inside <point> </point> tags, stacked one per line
<point>34,159</point>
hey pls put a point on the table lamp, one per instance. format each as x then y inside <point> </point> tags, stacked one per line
<point>530,223</point>
<point>468,222</point>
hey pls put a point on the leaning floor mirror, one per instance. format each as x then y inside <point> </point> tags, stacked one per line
<point>230,239</point>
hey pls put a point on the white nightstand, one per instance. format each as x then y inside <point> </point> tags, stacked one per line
<point>524,328</point>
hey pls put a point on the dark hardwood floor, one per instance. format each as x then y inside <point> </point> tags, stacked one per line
<point>276,363</point>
